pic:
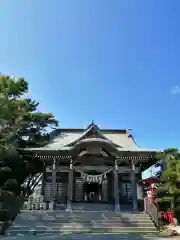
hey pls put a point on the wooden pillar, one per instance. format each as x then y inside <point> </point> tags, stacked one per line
<point>54,186</point>
<point>43,180</point>
<point>140,197</point>
<point>134,186</point>
<point>43,187</point>
<point>70,186</point>
<point>116,187</point>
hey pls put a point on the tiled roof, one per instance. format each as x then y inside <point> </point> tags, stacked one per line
<point>122,140</point>
<point>65,140</point>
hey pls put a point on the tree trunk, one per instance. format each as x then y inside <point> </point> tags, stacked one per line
<point>173,205</point>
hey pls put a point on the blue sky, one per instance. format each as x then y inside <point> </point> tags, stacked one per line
<point>115,62</point>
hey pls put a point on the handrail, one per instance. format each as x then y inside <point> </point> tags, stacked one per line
<point>152,210</point>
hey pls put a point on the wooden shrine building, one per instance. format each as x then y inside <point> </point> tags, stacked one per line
<point>93,165</point>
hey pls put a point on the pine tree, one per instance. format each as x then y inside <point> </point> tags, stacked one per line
<point>168,190</point>
<point>21,125</point>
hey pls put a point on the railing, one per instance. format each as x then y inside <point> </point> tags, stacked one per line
<point>152,210</point>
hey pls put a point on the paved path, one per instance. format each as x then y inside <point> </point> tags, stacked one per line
<point>76,237</point>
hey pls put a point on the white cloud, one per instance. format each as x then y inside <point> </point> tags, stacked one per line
<point>175,90</point>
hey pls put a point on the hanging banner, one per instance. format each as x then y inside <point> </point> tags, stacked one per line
<point>94,178</point>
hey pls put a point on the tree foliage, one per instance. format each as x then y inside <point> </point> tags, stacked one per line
<point>168,190</point>
<point>21,126</point>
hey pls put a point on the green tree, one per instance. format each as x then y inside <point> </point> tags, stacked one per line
<point>168,190</point>
<point>21,125</point>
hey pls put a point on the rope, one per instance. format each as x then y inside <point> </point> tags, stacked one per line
<point>93,178</point>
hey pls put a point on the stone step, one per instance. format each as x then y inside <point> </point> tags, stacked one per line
<point>49,221</point>
<point>59,217</point>
<point>59,221</point>
<point>83,229</point>
<point>141,216</point>
<point>106,219</point>
<point>121,222</point>
<point>126,219</point>
<point>102,220</point>
<point>110,217</point>
<point>89,221</point>
<point>79,218</point>
<point>87,224</point>
<point>123,225</point>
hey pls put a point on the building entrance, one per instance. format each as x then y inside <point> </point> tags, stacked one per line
<point>92,192</point>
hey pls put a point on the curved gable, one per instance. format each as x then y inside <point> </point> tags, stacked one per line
<point>92,132</point>
<point>66,138</point>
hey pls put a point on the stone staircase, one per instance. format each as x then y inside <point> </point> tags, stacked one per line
<point>81,221</point>
<point>92,207</point>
